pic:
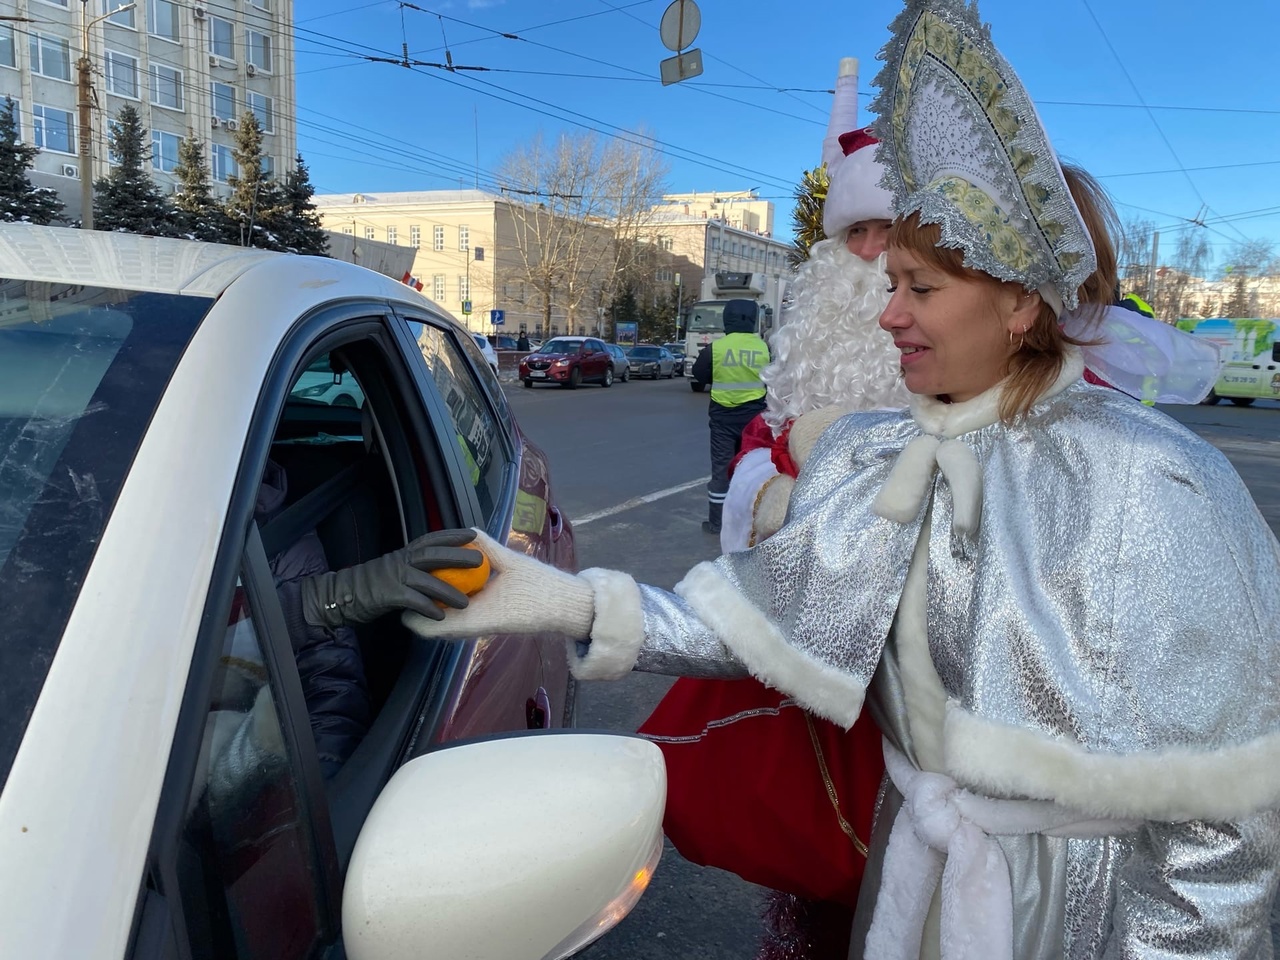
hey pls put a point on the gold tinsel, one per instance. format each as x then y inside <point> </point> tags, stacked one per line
<point>806,218</point>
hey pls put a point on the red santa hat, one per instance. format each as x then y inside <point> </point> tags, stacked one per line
<point>850,155</point>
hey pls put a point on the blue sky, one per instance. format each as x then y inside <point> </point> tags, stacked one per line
<point>373,126</point>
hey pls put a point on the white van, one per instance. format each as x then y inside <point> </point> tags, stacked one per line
<point>1250,351</point>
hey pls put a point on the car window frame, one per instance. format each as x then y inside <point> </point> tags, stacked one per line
<point>498,523</point>
<point>240,553</point>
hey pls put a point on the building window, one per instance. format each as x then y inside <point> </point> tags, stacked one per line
<point>162,19</point>
<point>368,233</point>
<point>164,150</point>
<point>464,288</point>
<point>8,53</point>
<point>349,231</point>
<point>166,87</point>
<point>715,243</point>
<point>224,164</point>
<point>665,244</point>
<point>437,288</point>
<point>391,235</point>
<point>437,238</point>
<point>259,49</point>
<point>665,276</point>
<point>50,56</point>
<point>224,100</point>
<point>264,108</point>
<point>53,130</point>
<point>124,18</point>
<point>57,3</point>
<point>260,4</point>
<point>268,166</point>
<point>122,74</point>
<point>415,236</point>
<point>222,38</point>
<point>464,240</point>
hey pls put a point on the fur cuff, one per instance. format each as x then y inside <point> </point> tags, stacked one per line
<point>1175,784</point>
<point>617,633</point>
<point>753,639</point>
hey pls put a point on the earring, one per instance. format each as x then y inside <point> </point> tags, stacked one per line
<point>1022,338</point>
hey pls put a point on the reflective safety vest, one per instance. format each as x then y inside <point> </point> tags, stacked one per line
<point>736,362</point>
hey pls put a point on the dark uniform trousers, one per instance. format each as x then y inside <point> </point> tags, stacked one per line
<point>727,424</point>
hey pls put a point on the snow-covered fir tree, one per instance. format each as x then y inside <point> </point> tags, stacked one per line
<point>127,199</point>
<point>200,216</point>
<point>20,201</point>
<point>254,205</point>
<point>298,223</point>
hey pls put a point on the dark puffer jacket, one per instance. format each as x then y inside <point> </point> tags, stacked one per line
<point>329,661</point>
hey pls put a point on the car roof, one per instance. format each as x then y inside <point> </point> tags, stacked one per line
<point>99,258</point>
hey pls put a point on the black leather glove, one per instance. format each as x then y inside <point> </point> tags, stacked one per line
<point>394,581</point>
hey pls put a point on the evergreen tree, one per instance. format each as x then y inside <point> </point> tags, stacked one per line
<point>806,219</point>
<point>200,216</point>
<point>127,199</point>
<point>256,199</point>
<point>296,221</point>
<point>20,201</point>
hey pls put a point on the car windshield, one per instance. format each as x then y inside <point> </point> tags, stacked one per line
<point>561,346</point>
<point>706,318</point>
<point>676,348</point>
<point>645,353</point>
<point>81,372</point>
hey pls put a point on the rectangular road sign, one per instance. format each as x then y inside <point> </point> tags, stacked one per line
<point>466,306</point>
<point>497,317</point>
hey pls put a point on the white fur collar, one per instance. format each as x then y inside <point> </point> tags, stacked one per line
<point>950,420</point>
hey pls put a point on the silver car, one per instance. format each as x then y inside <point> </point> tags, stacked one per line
<point>651,361</point>
<point>621,365</point>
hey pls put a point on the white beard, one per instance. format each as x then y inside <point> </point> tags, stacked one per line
<point>830,349</point>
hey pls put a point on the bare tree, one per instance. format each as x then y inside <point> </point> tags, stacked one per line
<point>1247,263</point>
<point>1177,281</point>
<point>1134,254</point>
<point>581,209</point>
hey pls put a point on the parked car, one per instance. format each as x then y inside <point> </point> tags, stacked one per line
<point>677,351</point>
<point>486,348</point>
<point>568,361</point>
<point>159,777</point>
<point>504,341</point>
<point>621,364</point>
<point>648,360</point>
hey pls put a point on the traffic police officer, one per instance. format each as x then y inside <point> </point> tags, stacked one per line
<point>732,365</point>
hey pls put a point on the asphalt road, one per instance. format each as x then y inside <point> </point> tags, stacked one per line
<point>610,449</point>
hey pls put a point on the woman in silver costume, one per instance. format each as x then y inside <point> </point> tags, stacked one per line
<point>1058,604</point>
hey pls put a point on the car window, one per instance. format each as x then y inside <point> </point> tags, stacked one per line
<point>477,430</point>
<point>321,383</point>
<point>644,353</point>
<point>595,346</point>
<point>81,372</point>
<point>561,346</point>
<point>251,890</point>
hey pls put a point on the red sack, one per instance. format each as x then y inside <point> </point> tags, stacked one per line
<point>758,786</point>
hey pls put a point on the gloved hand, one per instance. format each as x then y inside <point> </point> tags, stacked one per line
<point>807,428</point>
<point>771,508</point>
<point>395,581</point>
<point>523,595</point>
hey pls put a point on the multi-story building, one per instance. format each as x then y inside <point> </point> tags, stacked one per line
<point>188,68</point>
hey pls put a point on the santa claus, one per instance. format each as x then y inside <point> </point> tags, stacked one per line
<point>830,353</point>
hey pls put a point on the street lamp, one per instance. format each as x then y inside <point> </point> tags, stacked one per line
<point>85,89</point>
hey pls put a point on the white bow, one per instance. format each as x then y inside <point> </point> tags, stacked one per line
<point>903,494</point>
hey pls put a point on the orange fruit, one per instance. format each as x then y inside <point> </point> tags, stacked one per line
<point>467,579</point>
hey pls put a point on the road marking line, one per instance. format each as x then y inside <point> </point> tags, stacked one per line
<point>639,501</point>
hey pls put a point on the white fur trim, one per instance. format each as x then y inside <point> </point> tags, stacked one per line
<point>903,492</point>
<point>950,420</point>
<point>854,193</point>
<point>753,471</point>
<point>960,466</point>
<point>1174,784</point>
<point>753,639</point>
<point>617,633</point>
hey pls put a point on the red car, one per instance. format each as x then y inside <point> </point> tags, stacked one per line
<point>568,361</point>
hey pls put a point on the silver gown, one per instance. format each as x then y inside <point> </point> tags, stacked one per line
<point>1106,637</point>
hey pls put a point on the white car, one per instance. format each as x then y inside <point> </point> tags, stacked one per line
<point>490,355</point>
<point>161,792</point>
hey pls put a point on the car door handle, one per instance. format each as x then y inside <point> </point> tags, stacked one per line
<point>557,522</point>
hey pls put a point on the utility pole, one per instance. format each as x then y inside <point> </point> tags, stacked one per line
<point>84,89</point>
<point>1151,268</point>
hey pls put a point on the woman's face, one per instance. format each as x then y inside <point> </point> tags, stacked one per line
<point>953,332</point>
<point>868,238</point>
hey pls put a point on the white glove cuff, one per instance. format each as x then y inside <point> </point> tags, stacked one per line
<point>617,633</point>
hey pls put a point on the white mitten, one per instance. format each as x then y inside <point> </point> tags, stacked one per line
<point>523,595</point>
<point>771,508</point>
<point>807,428</point>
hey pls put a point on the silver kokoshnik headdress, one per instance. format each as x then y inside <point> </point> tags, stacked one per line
<point>963,146</point>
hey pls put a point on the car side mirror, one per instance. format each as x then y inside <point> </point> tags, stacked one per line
<point>528,847</point>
